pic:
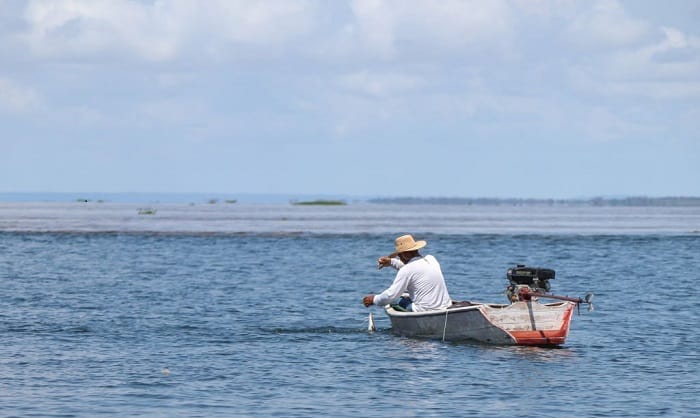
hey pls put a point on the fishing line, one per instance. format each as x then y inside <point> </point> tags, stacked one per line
<point>444,328</point>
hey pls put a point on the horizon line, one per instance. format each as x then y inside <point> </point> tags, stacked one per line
<point>260,197</point>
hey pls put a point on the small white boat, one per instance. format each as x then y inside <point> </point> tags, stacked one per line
<point>525,321</point>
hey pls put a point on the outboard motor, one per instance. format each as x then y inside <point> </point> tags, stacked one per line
<point>525,280</point>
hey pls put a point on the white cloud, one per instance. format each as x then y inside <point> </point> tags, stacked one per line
<point>674,55</point>
<point>667,68</point>
<point>388,26</point>
<point>547,9</point>
<point>262,22</point>
<point>78,28</point>
<point>606,24</point>
<point>17,98</point>
<point>161,30</point>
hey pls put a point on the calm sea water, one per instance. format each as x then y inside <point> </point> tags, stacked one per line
<point>246,310</point>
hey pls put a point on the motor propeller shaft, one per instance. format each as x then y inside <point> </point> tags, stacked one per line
<point>588,299</point>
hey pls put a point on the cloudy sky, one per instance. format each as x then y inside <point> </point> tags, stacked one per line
<point>490,98</point>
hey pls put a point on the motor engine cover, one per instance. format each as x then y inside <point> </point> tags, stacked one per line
<point>534,279</point>
<point>529,275</point>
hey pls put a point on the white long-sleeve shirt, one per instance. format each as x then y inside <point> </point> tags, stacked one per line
<point>422,278</point>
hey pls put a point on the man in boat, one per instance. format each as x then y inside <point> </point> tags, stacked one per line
<point>419,276</point>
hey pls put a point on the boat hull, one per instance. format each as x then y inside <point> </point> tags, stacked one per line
<point>520,323</point>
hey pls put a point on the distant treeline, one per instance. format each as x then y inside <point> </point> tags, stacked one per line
<point>596,201</point>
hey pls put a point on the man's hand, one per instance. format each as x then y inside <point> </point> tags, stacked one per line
<point>368,300</point>
<point>383,262</point>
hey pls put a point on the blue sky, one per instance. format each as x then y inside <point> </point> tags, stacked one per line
<point>521,98</point>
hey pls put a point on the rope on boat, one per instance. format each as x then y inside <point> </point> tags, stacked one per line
<point>444,328</point>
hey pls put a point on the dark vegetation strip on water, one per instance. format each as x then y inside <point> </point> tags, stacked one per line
<point>596,201</point>
<point>320,203</point>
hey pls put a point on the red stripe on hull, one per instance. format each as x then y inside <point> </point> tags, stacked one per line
<point>540,337</point>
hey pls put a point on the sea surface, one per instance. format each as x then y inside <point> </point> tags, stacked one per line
<point>255,310</point>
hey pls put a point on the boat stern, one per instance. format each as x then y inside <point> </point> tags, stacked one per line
<point>534,324</point>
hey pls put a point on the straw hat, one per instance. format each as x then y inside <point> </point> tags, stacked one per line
<point>407,243</point>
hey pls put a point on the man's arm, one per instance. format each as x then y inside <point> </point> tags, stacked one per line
<point>393,292</point>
